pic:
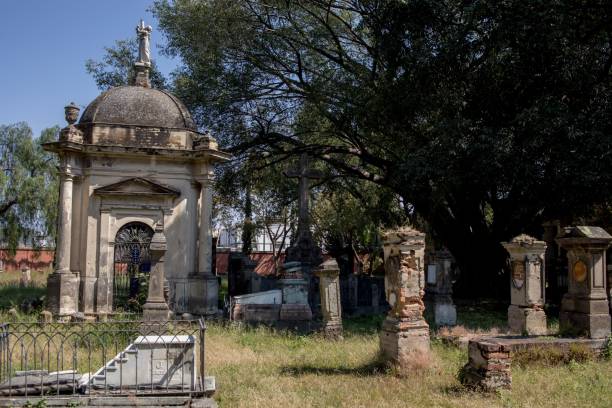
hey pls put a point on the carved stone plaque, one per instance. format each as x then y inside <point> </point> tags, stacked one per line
<point>518,274</point>
<point>579,271</point>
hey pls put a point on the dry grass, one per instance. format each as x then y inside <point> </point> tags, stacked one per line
<point>263,368</point>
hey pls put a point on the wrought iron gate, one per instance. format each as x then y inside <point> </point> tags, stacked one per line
<point>132,264</point>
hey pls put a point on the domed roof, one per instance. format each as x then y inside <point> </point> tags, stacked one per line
<point>138,106</point>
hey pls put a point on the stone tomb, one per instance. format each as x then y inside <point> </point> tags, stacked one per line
<point>584,308</point>
<point>405,333</point>
<point>158,362</point>
<point>135,162</point>
<point>526,312</point>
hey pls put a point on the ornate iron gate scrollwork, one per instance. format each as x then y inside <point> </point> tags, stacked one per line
<point>132,264</point>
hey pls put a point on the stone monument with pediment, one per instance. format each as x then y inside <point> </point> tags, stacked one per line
<point>584,308</point>
<point>135,191</point>
<point>526,312</point>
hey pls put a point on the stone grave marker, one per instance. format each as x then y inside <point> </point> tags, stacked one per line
<point>405,333</point>
<point>331,309</point>
<point>526,312</point>
<point>585,308</point>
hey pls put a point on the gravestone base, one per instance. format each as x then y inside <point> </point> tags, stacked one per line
<point>527,320</point>
<point>155,312</point>
<point>587,316</point>
<point>405,342</point>
<point>295,312</point>
<point>203,292</point>
<point>445,313</point>
<point>62,293</point>
<point>332,330</point>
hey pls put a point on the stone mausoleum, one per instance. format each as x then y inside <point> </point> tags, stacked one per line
<point>134,164</point>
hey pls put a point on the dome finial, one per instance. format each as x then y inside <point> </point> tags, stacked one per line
<point>143,64</point>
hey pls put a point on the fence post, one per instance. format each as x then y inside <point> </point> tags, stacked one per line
<point>202,354</point>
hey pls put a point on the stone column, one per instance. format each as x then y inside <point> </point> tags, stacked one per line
<point>445,313</point>
<point>62,284</point>
<point>526,312</point>
<point>584,308</point>
<point>404,339</point>
<point>331,309</point>
<point>156,308</point>
<point>203,286</point>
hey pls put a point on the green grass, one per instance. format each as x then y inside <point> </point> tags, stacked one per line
<point>263,367</point>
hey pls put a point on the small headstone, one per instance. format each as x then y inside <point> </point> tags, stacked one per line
<point>186,316</point>
<point>26,277</point>
<point>13,313</point>
<point>46,316</point>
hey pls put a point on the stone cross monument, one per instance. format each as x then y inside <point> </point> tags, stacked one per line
<point>584,308</point>
<point>405,334</point>
<point>526,311</point>
<point>304,249</point>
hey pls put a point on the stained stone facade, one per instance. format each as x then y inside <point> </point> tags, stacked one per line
<point>526,312</point>
<point>135,157</point>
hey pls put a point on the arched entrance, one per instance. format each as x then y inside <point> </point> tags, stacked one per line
<point>132,264</point>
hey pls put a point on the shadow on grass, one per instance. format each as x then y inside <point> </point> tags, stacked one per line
<point>15,296</point>
<point>362,325</point>
<point>375,368</point>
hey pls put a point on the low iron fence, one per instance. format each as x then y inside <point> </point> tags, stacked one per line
<point>102,358</point>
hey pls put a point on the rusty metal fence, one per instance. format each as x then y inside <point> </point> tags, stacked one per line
<point>102,358</point>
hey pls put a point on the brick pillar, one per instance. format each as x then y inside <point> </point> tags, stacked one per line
<point>404,339</point>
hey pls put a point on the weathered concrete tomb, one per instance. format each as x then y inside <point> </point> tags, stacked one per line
<point>133,164</point>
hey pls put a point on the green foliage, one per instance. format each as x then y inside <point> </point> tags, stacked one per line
<point>606,352</point>
<point>117,67</point>
<point>485,118</point>
<point>28,187</point>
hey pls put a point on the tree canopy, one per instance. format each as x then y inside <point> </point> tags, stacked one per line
<point>28,187</point>
<point>485,118</point>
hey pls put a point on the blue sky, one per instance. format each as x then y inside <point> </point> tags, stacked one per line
<point>43,48</point>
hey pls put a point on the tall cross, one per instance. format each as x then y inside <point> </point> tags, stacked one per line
<point>304,174</point>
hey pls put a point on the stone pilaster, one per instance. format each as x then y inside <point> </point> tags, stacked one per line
<point>62,284</point>
<point>203,289</point>
<point>526,312</point>
<point>405,334</point>
<point>331,309</point>
<point>156,307</point>
<point>585,308</point>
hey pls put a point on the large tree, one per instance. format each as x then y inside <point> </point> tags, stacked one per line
<point>485,117</point>
<point>28,187</point>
